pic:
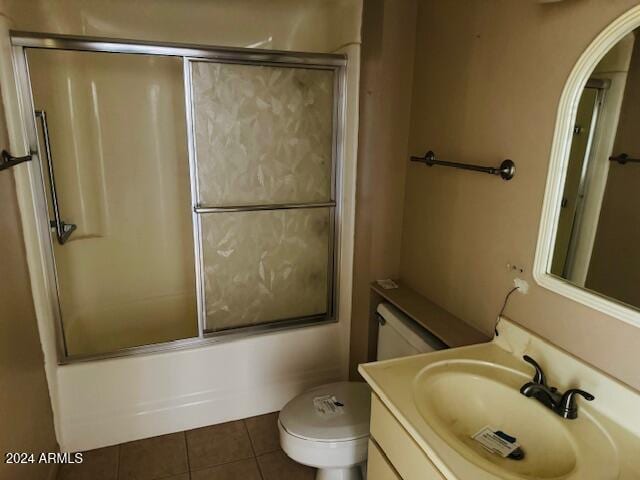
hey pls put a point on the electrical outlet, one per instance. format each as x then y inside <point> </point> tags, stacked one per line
<point>522,285</point>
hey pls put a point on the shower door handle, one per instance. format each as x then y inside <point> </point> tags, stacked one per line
<point>63,229</point>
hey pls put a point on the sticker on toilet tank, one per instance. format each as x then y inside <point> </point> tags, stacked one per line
<point>496,441</point>
<point>328,406</point>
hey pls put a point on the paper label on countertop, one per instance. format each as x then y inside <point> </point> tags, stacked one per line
<point>491,440</point>
<point>328,405</point>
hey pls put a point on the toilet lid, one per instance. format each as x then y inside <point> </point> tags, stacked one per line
<point>330,413</point>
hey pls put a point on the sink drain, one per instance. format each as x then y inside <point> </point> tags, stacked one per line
<point>517,454</point>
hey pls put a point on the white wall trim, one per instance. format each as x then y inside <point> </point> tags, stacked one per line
<point>566,116</point>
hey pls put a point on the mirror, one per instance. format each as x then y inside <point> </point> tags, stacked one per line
<point>596,245</point>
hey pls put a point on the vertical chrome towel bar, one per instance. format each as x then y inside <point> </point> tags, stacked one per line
<point>63,229</point>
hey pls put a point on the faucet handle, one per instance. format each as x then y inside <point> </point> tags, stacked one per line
<point>567,407</point>
<point>539,376</point>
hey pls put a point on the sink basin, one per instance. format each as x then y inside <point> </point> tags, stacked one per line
<point>441,399</point>
<point>459,398</point>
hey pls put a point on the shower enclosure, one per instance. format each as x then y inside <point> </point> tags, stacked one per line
<point>183,194</point>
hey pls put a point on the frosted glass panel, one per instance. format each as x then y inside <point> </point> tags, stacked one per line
<point>265,266</point>
<point>263,134</point>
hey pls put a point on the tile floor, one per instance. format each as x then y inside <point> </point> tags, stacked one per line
<point>243,450</point>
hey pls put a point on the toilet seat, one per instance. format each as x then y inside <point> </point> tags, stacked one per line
<point>336,412</point>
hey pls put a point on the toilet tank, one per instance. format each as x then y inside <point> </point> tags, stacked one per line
<point>399,336</point>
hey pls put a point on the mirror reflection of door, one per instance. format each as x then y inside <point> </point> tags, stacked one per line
<point>598,230</point>
<point>579,159</point>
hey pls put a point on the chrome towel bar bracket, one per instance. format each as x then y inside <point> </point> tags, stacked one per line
<point>506,170</point>
<point>7,160</point>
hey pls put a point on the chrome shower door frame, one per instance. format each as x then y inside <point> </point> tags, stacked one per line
<point>21,41</point>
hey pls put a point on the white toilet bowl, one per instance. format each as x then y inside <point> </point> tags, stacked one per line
<point>334,439</point>
<point>328,428</point>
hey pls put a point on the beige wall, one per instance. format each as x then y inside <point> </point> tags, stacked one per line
<point>615,263</point>
<point>26,422</point>
<point>388,36</point>
<point>488,78</point>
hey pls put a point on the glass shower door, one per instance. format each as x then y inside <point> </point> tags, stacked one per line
<point>143,151</point>
<point>264,164</point>
<point>118,145</point>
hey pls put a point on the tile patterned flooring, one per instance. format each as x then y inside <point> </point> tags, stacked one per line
<point>243,450</point>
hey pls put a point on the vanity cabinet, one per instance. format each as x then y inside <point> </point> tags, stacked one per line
<point>378,467</point>
<point>393,454</point>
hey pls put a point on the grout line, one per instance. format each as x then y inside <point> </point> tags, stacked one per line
<point>222,464</point>
<point>186,447</point>
<point>119,446</point>
<point>255,457</point>
<point>212,467</point>
<point>244,422</point>
<point>259,469</point>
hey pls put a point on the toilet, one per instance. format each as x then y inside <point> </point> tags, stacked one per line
<point>327,427</point>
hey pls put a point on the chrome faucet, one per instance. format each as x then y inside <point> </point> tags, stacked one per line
<point>564,404</point>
